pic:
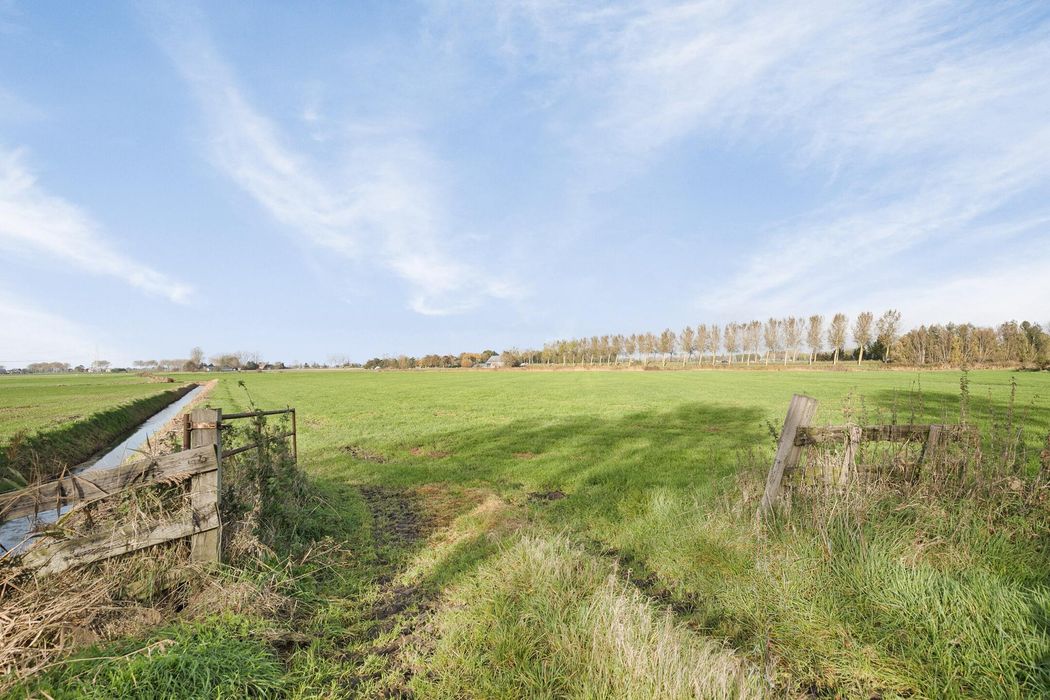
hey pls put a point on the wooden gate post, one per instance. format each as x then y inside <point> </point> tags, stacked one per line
<point>800,413</point>
<point>206,429</point>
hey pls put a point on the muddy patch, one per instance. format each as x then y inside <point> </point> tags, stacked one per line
<point>525,455</point>
<point>546,496</point>
<point>399,613</point>
<point>398,524</point>
<point>364,454</point>
<point>431,454</point>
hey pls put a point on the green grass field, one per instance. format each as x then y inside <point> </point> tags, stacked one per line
<point>590,534</point>
<point>42,402</point>
<point>608,435</point>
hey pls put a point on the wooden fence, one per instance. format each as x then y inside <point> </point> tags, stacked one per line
<point>200,461</point>
<point>797,433</point>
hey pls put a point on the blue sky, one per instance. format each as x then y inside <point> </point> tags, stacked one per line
<point>356,179</point>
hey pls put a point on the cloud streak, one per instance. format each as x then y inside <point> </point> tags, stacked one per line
<point>381,205</point>
<point>923,119</point>
<point>35,222</point>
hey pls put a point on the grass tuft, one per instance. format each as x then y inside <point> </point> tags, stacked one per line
<point>545,619</point>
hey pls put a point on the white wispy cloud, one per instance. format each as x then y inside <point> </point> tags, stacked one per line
<point>925,119</point>
<point>380,205</point>
<point>38,224</point>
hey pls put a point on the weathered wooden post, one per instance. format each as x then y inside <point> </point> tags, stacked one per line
<point>932,446</point>
<point>206,429</point>
<point>800,413</point>
<point>849,459</point>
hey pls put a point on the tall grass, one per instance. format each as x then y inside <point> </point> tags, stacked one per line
<point>918,580</point>
<point>219,657</point>
<point>547,620</point>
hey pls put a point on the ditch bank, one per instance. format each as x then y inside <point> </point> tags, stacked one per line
<point>47,454</point>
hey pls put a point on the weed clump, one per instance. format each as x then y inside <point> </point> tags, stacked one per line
<point>43,619</point>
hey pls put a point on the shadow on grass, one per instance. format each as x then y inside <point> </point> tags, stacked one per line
<point>608,463</point>
<point>992,414</point>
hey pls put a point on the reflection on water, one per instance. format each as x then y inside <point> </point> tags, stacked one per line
<point>15,534</point>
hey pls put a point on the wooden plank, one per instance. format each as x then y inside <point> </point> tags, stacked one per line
<point>206,546</point>
<point>820,435</point>
<point>52,495</point>
<point>52,557</point>
<point>800,413</point>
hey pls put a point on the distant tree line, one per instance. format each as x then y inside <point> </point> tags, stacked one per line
<point>806,339</point>
<point>791,339</point>
<point>463,359</point>
<point>64,367</point>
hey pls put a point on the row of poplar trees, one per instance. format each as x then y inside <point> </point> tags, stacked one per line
<point>794,339</point>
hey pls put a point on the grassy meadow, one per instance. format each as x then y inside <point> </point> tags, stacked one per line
<point>41,402</point>
<point>591,534</point>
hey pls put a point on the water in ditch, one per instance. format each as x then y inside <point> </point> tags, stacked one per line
<point>15,534</point>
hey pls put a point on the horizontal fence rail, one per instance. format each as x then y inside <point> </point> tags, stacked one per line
<point>55,555</point>
<point>878,433</point>
<point>797,434</point>
<point>255,414</point>
<point>217,423</point>
<point>52,557</point>
<point>200,461</point>
<point>75,488</point>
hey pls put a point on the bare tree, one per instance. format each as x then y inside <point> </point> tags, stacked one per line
<point>196,358</point>
<point>666,344</point>
<point>772,337</point>
<point>815,335</point>
<point>703,337</point>
<point>230,360</point>
<point>984,343</point>
<point>650,346</point>
<point>792,336</point>
<point>862,332</point>
<point>731,341</point>
<point>687,341</point>
<point>837,334</point>
<point>715,342</point>
<point>887,330</point>
<point>617,346</point>
<point>752,339</point>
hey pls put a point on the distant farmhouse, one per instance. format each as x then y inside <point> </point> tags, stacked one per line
<point>493,362</point>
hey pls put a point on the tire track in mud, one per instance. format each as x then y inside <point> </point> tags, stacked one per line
<point>399,526</point>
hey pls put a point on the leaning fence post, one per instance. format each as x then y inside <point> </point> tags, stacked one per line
<point>800,413</point>
<point>206,429</point>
